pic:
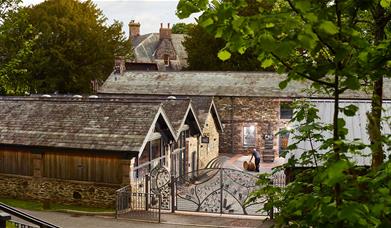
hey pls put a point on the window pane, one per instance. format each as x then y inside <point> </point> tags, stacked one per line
<point>249,135</point>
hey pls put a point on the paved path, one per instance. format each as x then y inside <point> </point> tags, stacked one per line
<point>236,162</point>
<point>168,221</point>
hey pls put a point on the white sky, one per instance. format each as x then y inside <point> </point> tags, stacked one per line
<point>150,13</point>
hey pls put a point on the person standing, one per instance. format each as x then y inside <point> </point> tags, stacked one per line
<point>257,157</point>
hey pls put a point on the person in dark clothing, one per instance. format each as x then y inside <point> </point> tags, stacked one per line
<point>257,157</point>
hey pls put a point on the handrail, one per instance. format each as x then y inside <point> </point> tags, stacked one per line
<point>26,217</point>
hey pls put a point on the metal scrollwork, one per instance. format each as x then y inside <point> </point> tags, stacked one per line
<point>216,190</point>
<point>160,179</point>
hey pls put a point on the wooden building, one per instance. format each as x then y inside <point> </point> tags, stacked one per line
<point>76,150</point>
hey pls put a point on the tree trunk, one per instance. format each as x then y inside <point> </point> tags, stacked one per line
<point>374,124</point>
<point>374,117</point>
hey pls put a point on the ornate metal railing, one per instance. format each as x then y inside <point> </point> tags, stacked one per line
<point>213,190</point>
<point>138,205</point>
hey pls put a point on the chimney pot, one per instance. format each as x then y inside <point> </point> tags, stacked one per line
<point>134,29</point>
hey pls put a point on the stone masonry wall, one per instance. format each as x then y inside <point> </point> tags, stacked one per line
<point>58,191</point>
<point>210,150</point>
<point>236,112</point>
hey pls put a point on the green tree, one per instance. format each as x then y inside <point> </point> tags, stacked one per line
<point>336,45</point>
<point>12,65</point>
<point>202,49</point>
<point>73,46</point>
<point>181,28</point>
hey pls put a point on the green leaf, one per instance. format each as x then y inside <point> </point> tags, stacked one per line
<point>283,84</point>
<point>207,22</point>
<point>328,27</point>
<point>224,55</point>
<point>311,17</point>
<point>307,41</point>
<point>242,50</point>
<point>350,110</point>
<point>219,33</point>
<point>363,57</point>
<point>352,83</point>
<point>385,3</point>
<point>303,5</point>
<point>269,25</point>
<point>267,63</point>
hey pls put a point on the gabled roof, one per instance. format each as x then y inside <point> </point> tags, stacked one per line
<point>178,111</point>
<point>93,124</point>
<point>204,106</point>
<point>237,84</point>
<point>144,47</point>
<point>356,126</point>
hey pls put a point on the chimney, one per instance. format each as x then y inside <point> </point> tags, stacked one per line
<point>165,33</point>
<point>134,28</point>
<point>119,65</point>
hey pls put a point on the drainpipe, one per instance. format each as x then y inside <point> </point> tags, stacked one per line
<point>232,125</point>
<point>198,153</point>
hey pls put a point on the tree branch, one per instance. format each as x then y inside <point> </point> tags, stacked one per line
<point>329,84</point>
<point>312,28</point>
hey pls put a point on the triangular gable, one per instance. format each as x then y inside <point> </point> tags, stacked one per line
<point>190,111</point>
<point>162,114</point>
<point>216,117</point>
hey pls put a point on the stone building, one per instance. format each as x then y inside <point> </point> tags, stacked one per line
<point>184,157</point>
<point>211,127</point>
<point>163,49</point>
<point>251,105</point>
<point>80,150</point>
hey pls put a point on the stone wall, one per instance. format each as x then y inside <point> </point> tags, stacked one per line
<point>210,150</point>
<point>58,191</point>
<point>236,112</point>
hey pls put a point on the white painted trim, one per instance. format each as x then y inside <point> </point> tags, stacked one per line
<point>217,115</point>
<point>154,136</point>
<point>152,128</point>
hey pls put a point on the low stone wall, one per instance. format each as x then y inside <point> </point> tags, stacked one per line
<point>58,191</point>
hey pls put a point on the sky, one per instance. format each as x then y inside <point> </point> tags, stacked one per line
<point>150,13</point>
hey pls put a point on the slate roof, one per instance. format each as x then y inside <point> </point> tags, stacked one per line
<point>73,123</point>
<point>237,84</point>
<point>144,47</point>
<point>203,106</point>
<point>355,124</point>
<point>176,112</point>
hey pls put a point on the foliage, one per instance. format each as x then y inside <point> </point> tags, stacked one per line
<point>12,65</point>
<point>309,199</point>
<point>38,206</point>
<point>181,28</point>
<point>339,46</point>
<point>72,46</point>
<point>7,6</point>
<point>203,48</point>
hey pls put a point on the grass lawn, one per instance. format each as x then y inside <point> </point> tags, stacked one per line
<point>38,206</point>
